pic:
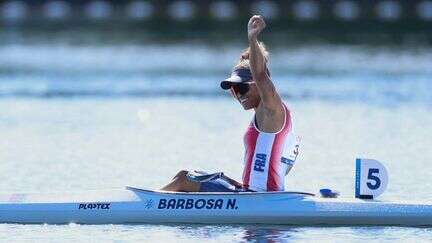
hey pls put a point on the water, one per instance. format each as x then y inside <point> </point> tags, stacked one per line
<point>103,116</point>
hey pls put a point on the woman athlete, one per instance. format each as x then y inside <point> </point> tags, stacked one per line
<point>270,143</point>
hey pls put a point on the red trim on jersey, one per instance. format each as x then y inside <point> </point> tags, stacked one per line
<point>251,135</point>
<point>273,180</point>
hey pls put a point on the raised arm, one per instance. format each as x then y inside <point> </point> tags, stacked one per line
<point>269,96</point>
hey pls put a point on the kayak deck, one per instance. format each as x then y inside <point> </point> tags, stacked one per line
<point>135,205</point>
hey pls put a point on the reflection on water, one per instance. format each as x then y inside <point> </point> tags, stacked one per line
<point>268,233</point>
<point>213,233</point>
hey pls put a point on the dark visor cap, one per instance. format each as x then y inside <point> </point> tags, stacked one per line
<point>238,76</point>
<point>241,75</point>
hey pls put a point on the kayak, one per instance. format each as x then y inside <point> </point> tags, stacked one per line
<point>134,205</point>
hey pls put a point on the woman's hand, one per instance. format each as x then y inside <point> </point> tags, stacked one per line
<point>255,26</point>
<point>233,182</point>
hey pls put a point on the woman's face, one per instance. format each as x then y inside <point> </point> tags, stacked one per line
<point>248,100</point>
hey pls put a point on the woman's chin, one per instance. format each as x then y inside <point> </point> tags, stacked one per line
<point>247,106</point>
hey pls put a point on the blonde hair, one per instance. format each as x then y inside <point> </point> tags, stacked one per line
<point>244,57</point>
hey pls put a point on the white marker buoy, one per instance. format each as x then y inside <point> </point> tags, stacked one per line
<point>371,179</point>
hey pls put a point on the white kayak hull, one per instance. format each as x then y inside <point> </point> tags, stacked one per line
<point>132,205</point>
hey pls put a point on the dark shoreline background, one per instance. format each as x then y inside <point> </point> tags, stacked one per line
<point>385,22</point>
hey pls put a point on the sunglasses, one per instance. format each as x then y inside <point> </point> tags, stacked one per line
<point>241,88</point>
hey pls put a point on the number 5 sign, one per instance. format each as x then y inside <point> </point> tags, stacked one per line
<point>371,179</point>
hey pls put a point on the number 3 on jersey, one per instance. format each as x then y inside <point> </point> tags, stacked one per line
<point>371,179</point>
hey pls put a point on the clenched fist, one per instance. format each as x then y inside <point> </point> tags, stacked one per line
<point>255,26</point>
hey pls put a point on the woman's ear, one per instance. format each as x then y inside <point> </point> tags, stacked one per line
<point>245,56</point>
